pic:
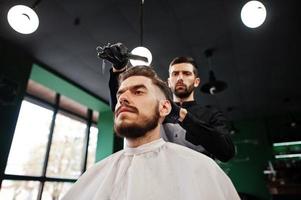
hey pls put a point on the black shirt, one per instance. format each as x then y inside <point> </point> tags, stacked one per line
<point>208,127</point>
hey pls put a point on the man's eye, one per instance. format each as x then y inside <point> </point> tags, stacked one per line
<point>138,92</point>
<point>175,73</point>
<point>187,73</point>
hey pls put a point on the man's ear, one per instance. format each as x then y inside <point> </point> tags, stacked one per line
<point>164,108</point>
<point>197,82</point>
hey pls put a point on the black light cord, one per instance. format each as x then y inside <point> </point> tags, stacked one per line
<point>35,4</point>
<point>141,22</point>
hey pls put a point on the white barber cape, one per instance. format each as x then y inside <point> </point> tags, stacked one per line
<point>155,171</point>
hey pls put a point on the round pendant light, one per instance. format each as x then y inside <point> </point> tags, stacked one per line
<point>23,19</point>
<point>253,14</point>
<point>144,52</point>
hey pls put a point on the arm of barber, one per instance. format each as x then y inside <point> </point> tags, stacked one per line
<point>115,54</point>
<point>210,131</point>
<point>113,85</point>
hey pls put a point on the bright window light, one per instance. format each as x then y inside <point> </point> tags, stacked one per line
<point>15,189</point>
<point>141,51</point>
<point>286,143</point>
<point>66,153</point>
<point>23,19</point>
<point>253,14</point>
<point>27,153</point>
<point>288,156</point>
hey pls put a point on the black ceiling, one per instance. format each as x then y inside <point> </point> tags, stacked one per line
<point>261,66</point>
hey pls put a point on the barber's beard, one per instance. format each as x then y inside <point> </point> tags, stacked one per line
<point>182,94</point>
<point>138,129</point>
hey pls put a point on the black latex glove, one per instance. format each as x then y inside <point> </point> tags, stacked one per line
<point>117,54</point>
<point>174,115</point>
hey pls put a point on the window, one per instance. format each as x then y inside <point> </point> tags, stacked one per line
<point>54,143</point>
<point>28,149</point>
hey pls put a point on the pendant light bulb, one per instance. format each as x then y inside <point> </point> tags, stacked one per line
<point>141,51</point>
<point>253,14</point>
<point>23,19</point>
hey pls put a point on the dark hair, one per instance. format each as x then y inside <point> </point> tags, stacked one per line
<point>185,59</point>
<point>148,72</point>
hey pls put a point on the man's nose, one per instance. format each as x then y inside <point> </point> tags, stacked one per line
<point>123,99</point>
<point>180,76</point>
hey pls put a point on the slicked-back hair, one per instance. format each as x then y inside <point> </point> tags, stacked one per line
<point>148,72</point>
<point>185,59</point>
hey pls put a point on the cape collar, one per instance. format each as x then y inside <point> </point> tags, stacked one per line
<point>144,148</point>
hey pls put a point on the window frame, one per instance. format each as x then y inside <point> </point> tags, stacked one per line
<point>55,108</point>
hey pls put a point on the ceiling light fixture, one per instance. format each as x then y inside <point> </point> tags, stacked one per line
<point>141,50</point>
<point>253,14</point>
<point>23,19</point>
<point>213,86</point>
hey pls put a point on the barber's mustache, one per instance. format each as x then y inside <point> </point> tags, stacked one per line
<point>180,83</point>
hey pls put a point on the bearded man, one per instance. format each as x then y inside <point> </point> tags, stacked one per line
<point>148,167</point>
<point>202,129</point>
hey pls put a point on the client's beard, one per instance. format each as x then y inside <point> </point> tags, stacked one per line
<point>184,94</point>
<point>136,129</point>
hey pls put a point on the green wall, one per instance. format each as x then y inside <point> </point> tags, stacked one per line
<point>105,143</point>
<point>65,88</point>
<point>253,151</point>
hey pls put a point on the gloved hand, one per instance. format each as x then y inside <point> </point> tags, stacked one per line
<point>117,54</point>
<point>174,115</point>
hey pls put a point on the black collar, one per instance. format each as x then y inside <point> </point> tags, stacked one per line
<point>187,103</point>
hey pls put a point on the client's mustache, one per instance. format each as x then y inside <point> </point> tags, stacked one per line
<point>127,108</point>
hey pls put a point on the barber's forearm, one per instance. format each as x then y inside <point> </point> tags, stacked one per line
<point>113,86</point>
<point>216,140</point>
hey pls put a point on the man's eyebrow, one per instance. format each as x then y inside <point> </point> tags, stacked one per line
<point>180,70</point>
<point>135,87</point>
